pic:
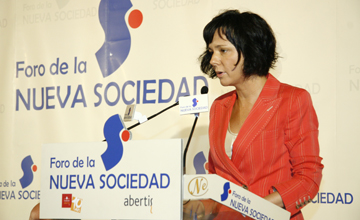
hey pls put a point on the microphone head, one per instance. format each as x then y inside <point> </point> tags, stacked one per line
<point>204,90</point>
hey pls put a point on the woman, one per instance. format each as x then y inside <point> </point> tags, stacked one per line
<point>264,134</point>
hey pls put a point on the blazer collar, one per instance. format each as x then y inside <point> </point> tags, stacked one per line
<point>271,88</point>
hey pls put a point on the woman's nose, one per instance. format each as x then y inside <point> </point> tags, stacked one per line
<point>214,59</point>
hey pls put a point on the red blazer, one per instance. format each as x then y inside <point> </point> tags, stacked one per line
<point>276,148</point>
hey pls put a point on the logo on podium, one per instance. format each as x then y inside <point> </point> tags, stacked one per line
<point>226,192</point>
<point>198,186</point>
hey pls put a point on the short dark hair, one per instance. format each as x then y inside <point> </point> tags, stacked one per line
<point>250,34</point>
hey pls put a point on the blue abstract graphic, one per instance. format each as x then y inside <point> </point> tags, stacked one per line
<point>225,194</point>
<point>114,151</point>
<point>195,102</point>
<point>199,161</point>
<point>117,43</point>
<point>28,176</point>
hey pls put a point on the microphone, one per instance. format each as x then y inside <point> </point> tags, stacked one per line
<point>204,90</point>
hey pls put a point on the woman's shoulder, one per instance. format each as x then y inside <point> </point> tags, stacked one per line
<point>294,94</point>
<point>286,89</point>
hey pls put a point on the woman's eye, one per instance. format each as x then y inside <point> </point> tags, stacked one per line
<point>223,50</point>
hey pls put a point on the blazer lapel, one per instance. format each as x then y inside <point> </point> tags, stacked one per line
<point>222,124</point>
<point>260,115</point>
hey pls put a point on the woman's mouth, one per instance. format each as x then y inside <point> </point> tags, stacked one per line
<point>219,74</point>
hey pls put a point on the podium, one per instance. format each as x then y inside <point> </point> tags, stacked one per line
<point>141,179</point>
<point>222,199</point>
<point>146,183</point>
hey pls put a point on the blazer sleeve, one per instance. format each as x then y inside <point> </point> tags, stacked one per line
<point>301,140</point>
<point>210,165</point>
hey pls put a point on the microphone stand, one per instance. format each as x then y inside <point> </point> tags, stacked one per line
<point>204,90</point>
<point>188,142</point>
<point>154,115</point>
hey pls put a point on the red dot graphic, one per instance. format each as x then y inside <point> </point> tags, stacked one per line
<point>229,191</point>
<point>34,168</point>
<point>125,136</point>
<point>207,166</point>
<point>135,18</point>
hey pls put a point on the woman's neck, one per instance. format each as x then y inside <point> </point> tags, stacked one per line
<point>249,91</point>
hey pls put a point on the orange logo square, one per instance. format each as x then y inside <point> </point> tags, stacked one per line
<point>76,204</point>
